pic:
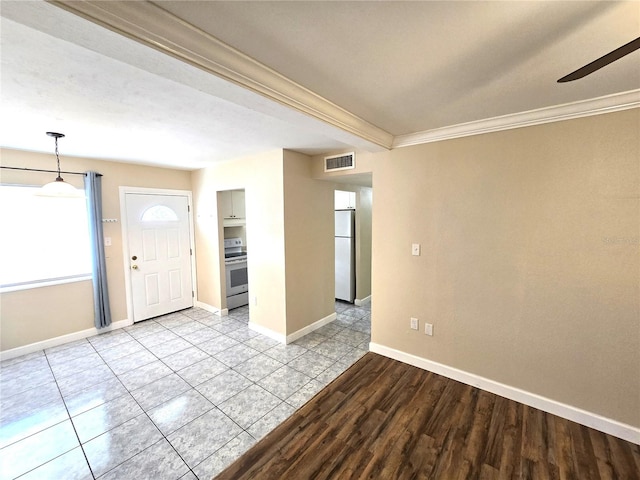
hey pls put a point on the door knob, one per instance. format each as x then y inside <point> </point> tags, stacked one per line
<point>134,267</point>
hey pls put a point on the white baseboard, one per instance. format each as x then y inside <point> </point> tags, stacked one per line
<point>589,419</point>
<point>278,337</point>
<point>54,342</point>
<point>310,328</point>
<point>210,308</point>
<point>364,301</point>
<point>286,339</point>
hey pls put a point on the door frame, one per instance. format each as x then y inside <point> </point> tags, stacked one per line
<point>124,190</point>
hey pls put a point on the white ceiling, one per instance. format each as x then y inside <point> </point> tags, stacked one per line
<point>404,67</point>
<point>413,66</point>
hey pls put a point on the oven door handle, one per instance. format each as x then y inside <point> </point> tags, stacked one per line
<point>235,262</point>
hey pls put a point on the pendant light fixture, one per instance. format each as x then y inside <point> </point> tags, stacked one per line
<point>59,188</point>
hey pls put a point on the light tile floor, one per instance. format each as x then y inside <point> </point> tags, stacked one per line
<point>175,397</point>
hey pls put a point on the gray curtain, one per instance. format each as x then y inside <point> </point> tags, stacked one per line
<point>93,191</point>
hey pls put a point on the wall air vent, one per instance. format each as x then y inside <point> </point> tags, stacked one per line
<point>344,161</point>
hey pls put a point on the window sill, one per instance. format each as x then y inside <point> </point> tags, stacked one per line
<point>44,283</point>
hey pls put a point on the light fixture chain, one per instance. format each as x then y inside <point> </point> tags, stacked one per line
<point>57,157</point>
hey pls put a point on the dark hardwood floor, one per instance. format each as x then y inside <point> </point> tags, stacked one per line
<point>383,419</point>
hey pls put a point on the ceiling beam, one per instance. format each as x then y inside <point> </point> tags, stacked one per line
<point>147,23</point>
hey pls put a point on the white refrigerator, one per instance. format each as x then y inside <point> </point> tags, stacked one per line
<point>345,255</point>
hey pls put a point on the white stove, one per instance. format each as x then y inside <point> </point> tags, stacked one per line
<point>235,262</point>
<point>234,250</point>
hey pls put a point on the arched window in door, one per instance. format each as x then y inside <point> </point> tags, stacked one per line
<point>159,213</point>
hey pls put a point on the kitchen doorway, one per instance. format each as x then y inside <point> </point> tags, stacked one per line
<point>353,205</point>
<point>231,207</point>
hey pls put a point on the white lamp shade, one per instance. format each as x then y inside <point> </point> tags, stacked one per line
<point>60,188</point>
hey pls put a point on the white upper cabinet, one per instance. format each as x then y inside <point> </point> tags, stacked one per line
<point>345,200</point>
<point>237,203</point>
<point>232,204</point>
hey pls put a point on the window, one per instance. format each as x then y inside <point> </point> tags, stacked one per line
<point>159,213</point>
<point>44,240</point>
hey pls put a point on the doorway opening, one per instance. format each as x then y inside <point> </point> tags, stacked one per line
<point>232,210</point>
<point>353,210</point>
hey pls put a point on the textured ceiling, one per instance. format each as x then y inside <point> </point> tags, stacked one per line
<point>414,66</point>
<point>117,99</point>
<point>404,67</point>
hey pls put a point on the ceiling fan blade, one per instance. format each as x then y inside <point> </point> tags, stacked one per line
<point>602,61</point>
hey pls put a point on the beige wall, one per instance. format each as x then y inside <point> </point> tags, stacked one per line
<point>29,316</point>
<point>309,240</point>
<point>530,269</point>
<point>261,177</point>
<point>34,315</point>
<point>364,220</point>
<point>289,232</point>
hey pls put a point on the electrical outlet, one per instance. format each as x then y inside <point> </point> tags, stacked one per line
<point>415,249</point>
<point>107,241</point>
<point>414,323</point>
<point>428,329</point>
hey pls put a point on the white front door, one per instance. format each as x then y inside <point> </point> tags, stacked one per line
<point>159,254</point>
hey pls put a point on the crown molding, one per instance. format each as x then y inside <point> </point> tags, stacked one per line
<point>149,24</point>
<point>557,113</point>
<point>153,26</point>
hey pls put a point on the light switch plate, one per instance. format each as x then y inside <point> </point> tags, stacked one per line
<point>428,329</point>
<point>107,241</point>
<point>414,323</point>
<point>415,249</point>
